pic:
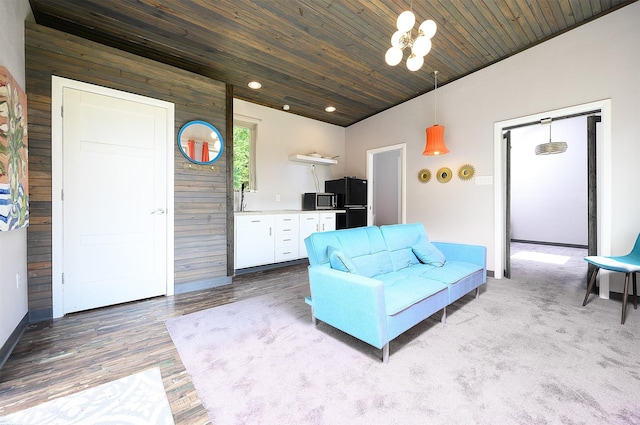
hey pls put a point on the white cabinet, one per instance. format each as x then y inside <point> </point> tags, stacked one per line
<point>254,241</point>
<point>327,222</point>
<point>262,239</point>
<point>315,222</point>
<point>309,223</point>
<point>286,242</point>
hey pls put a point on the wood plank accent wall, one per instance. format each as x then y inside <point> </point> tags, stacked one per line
<point>201,199</point>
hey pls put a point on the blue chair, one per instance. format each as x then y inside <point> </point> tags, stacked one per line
<point>628,264</point>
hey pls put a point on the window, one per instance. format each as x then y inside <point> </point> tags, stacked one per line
<point>244,155</point>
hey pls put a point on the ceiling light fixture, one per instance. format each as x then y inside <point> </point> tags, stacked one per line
<point>330,109</point>
<point>404,37</point>
<point>551,147</point>
<point>255,85</point>
<point>435,134</point>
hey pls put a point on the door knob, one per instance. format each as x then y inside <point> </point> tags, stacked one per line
<point>158,211</point>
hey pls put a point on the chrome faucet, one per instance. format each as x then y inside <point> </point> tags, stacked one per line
<point>242,198</point>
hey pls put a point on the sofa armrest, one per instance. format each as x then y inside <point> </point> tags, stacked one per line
<point>350,302</point>
<point>474,254</point>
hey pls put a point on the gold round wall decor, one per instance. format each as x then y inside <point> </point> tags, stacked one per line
<point>466,172</point>
<point>444,174</point>
<point>424,175</point>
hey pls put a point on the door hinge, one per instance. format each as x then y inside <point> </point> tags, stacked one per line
<point>62,111</point>
<point>62,194</point>
<point>63,278</point>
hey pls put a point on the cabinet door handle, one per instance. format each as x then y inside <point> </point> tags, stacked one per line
<point>255,221</point>
<point>323,227</point>
<point>269,230</point>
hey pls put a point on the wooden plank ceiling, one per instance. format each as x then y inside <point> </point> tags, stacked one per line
<point>310,54</point>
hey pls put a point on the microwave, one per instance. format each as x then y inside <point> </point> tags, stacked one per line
<point>318,201</point>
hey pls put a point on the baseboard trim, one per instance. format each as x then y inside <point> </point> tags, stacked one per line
<point>199,285</point>
<point>271,266</point>
<point>7,347</point>
<point>568,245</point>
<point>40,315</point>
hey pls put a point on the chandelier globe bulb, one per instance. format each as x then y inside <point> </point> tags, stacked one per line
<point>415,62</point>
<point>406,21</point>
<point>428,28</point>
<point>393,56</point>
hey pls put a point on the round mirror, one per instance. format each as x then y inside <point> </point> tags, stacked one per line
<point>200,142</point>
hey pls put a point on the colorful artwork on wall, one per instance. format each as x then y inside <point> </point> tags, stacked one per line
<point>14,170</point>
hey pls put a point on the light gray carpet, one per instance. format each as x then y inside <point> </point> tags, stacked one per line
<point>523,353</point>
<point>135,399</point>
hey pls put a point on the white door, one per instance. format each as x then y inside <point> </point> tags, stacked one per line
<point>114,200</point>
<point>387,185</point>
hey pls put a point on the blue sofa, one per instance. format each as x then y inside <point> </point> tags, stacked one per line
<point>374,283</point>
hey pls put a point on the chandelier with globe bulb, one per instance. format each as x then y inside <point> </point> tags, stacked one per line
<point>404,37</point>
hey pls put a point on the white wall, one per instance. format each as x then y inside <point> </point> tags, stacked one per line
<point>281,134</point>
<point>13,244</point>
<point>598,60</point>
<point>549,192</point>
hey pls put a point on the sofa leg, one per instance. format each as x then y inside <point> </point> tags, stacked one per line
<point>477,292</point>
<point>385,353</point>
<point>313,317</point>
<point>444,315</point>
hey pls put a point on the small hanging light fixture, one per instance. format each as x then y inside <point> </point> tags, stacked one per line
<point>435,134</point>
<point>551,147</point>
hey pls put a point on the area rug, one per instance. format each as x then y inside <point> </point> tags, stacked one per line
<point>523,353</point>
<point>135,399</point>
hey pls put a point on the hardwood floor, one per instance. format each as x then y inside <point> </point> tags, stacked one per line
<point>85,349</point>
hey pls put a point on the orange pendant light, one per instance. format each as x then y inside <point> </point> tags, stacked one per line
<point>435,141</point>
<point>435,134</point>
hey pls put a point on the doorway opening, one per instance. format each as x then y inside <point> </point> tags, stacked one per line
<point>387,185</point>
<point>549,220</point>
<point>599,233</point>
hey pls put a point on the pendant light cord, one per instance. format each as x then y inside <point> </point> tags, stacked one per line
<point>435,99</point>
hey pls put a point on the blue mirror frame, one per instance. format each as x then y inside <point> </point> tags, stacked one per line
<point>200,142</point>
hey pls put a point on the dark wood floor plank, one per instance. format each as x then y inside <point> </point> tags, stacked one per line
<point>85,349</point>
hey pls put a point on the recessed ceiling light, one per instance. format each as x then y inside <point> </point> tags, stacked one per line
<point>330,109</point>
<point>255,85</point>
<point>285,107</point>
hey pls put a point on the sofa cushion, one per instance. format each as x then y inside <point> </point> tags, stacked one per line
<point>399,239</point>
<point>341,261</point>
<point>450,273</point>
<point>373,264</point>
<point>427,253</point>
<point>402,291</point>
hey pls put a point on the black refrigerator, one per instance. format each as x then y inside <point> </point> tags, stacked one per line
<point>351,196</point>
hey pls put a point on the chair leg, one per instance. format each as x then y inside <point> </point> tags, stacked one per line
<point>635,293</point>
<point>444,316</point>
<point>477,292</point>
<point>625,295</point>
<point>385,353</point>
<point>590,287</point>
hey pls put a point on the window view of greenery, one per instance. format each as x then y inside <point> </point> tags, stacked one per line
<point>243,139</point>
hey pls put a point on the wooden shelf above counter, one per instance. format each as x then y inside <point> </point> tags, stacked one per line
<point>312,159</point>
